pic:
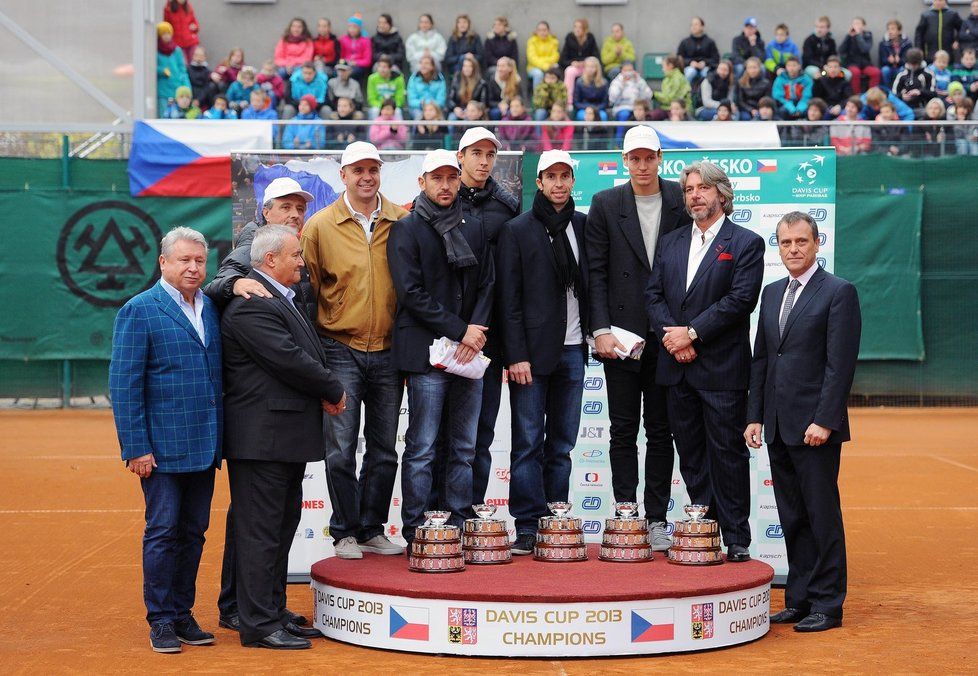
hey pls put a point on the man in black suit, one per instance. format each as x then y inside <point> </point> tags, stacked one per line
<point>542,311</point>
<point>624,226</point>
<point>276,388</point>
<point>443,276</point>
<point>804,360</point>
<point>704,286</point>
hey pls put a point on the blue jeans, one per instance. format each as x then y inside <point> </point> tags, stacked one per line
<point>178,511</point>
<point>536,76</point>
<point>546,416</point>
<point>361,505</point>
<point>692,73</point>
<point>540,114</point>
<point>429,395</point>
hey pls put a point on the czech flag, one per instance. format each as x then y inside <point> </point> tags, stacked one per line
<point>190,158</point>
<point>410,623</point>
<point>767,166</point>
<point>653,624</point>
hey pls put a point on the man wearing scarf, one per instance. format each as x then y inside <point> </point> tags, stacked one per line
<point>543,318</point>
<point>443,276</point>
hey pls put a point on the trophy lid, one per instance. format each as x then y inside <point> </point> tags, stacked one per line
<point>696,512</point>
<point>626,510</point>
<point>484,511</point>
<point>437,517</point>
<point>560,508</point>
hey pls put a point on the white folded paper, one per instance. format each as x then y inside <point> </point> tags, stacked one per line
<point>634,344</point>
<point>441,355</point>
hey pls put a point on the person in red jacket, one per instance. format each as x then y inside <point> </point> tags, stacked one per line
<point>326,48</point>
<point>180,15</point>
<point>294,49</point>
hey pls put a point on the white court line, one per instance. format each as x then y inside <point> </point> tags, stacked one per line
<point>20,458</point>
<point>955,463</point>
<point>906,508</point>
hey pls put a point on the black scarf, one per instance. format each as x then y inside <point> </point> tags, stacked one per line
<point>445,221</point>
<point>556,223</point>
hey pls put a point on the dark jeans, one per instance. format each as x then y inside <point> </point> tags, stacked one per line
<point>361,505</point>
<point>546,416</point>
<point>178,511</point>
<point>713,458</point>
<point>267,499</point>
<point>633,396</point>
<point>806,488</point>
<point>429,396</point>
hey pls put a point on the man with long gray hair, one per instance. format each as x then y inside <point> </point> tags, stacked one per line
<point>705,283</point>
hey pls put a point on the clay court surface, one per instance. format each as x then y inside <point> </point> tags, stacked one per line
<point>71,520</point>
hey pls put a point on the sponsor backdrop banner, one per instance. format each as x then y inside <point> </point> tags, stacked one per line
<point>768,183</point>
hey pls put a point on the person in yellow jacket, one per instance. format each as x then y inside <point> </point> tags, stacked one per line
<point>542,52</point>
<point>675,87</point>
<point>345,250</point>
<point>615,50</point>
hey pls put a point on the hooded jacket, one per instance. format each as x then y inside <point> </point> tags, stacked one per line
<point>702,48</point>
<point>815,50</point>
<point>937,30</point>
<point>392,45</point>
<point>497,46</point>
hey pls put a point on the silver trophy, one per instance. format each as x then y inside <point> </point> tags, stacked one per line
<point>626,510</point>
<point>559,509</point>
<point>484,511</point>
<point>696,512</point>
<point>436,517</point>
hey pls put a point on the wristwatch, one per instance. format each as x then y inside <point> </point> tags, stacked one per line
<point>692,333</point>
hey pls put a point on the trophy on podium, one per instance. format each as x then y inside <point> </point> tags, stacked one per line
<point>626,537</point>
<point>485,540</point>
<point>560,538</point>
<point>437,546</point>
<point>696,541</point>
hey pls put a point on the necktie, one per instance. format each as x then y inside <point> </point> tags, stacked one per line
<point>788,302</point>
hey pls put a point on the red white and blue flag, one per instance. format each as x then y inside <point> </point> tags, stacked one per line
<point>767,166</point>
<point>409,622</point>
<point>653,624</point>
<point>190,158</point>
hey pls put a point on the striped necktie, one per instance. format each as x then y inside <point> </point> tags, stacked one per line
<point>788,302</point>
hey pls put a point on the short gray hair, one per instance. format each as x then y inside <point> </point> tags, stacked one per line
<point>181,233</point>
<point>714,177</point>
<point>269,239</point>
<point>793,217</point>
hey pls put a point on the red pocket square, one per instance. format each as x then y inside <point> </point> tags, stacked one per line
<point>725,257</point>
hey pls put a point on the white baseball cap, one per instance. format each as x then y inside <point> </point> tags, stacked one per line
<point>473,135</point>
<point>439,158</point>
<point>640,137</point>
<point>549,158</point>
<point>359,150</point>
<point>283,186</point>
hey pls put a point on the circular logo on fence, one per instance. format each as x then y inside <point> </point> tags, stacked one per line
<point>107,253</point>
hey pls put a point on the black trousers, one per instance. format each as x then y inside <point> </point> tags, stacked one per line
<point>806,488</point>
<point>634,398</point>
<point>713,458</point>
<point>267,500</point>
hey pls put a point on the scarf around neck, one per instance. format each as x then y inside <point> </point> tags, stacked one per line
<point>556,223</point>
<point>445,221</point>
<point>165,48</point>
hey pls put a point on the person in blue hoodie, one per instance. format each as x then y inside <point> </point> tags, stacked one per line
<point>875,97</point>
<point>779,49</point>
<point>428,84</point>
<point>305,81</point>
<point>305,136</point>
<point>792,89</point>
<point>259,108</point>
<point>220,110</point>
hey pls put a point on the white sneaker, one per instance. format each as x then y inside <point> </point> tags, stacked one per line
<point>379,544</point>
<point>661,542</point>
<point>347,548</point>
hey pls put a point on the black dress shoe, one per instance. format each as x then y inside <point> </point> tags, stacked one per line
<point>189,632</point>
<point>295,618</point>
<point>737,554</point>
<point>302,632</point>
<point>232,622</point>
<point>281,640</point>
<point>789,616</point>
<point>818,622</point>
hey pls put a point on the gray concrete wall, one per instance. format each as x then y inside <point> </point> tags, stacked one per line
<point>653,25</point>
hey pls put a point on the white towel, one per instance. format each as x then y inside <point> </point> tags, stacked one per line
<point>441,355</point>
<point>634,344</point>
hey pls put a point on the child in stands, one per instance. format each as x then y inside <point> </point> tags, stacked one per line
<point>305,136</point>
<point>183,107</point>
<point>220,110</point>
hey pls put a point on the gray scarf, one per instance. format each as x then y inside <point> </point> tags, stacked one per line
<point>445,221</point>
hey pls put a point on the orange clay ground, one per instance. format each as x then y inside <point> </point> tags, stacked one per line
<point>71,521</point>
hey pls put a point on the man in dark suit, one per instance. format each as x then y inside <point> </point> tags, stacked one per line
<point>276,388</point>
<point>443,276</point>
<point>165,382</point>
<point>624,226</point>
<point>542,309</point>
<point>804,360</point>
<point>704,286</point>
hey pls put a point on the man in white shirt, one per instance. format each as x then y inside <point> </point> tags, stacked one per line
<point>541,296</point>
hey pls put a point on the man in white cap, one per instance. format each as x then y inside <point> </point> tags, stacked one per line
<point>345,249</point>
<point>443,275</point>
<point>542,313</point>
<point>487,203</point>
<point>624,226</point>
<point>284,202</point>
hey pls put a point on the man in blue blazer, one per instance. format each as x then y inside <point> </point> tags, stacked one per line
<point>541,299</point>
<point>804,361</point>
<point>704,286</point>
<point>165,384</point>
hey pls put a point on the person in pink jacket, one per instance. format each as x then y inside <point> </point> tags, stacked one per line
<point>357,49</point>
<point>389,136</point>
<point>294,49</point>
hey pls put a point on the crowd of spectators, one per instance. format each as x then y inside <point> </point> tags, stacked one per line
<point>414,82</point>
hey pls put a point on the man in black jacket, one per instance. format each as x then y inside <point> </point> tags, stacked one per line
<point>937,30</point>
<point>818,47</point>
<point>698,51</point>
<point>624,225</point>
<point>541,297</point>
<point>276,386</point>
<point>442,271</point>
<point>746,44</point>
<point>284,202</point>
